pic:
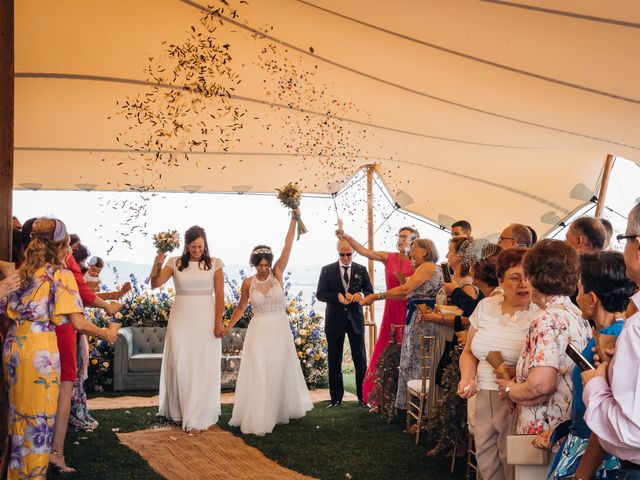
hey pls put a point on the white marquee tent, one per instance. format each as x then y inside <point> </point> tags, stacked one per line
<point>491,110</point>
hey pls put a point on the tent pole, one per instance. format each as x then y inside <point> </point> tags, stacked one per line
<point>6,163</point>
<point>371,323</point>
<point>604,184</point>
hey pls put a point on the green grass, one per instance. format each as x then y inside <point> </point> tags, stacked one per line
<point>326,444</point>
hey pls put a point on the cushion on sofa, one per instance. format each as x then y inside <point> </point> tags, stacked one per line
<point>145,362</point>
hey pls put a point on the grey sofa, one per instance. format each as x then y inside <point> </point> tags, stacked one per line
<point>138,357</point>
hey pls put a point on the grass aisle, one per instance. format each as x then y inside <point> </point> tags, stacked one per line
<point>327,444</point>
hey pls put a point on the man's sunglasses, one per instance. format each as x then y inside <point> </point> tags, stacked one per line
<point>346,254</point>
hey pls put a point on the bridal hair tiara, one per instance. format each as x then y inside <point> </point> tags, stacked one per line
<point>261,250</point>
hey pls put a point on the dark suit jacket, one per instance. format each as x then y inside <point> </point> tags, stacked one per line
<point>330,285</point>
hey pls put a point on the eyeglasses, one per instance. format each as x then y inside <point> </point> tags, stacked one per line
<point>346,254</point>
<point>620,238</point>
<point>402,237</point>
<point>517,279</point>
<point>500,238</point>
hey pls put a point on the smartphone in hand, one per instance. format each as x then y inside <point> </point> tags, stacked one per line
<point>578,358</point>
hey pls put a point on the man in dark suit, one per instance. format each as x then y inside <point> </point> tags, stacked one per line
<point>344,315</point>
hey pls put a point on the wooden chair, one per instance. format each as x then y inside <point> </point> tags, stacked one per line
<point>418,389</point>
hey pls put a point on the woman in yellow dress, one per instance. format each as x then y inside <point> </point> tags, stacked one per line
<point>47,297</point>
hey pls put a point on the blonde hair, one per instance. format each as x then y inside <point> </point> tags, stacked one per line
<point>43,250</point>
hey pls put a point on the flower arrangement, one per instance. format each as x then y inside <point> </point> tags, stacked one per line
<point>145,308</point>
<point>290,197</point>
<point>311,344</point>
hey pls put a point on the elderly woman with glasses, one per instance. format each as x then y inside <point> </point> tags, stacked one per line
<point>542,389</point>
<point>499,323</point>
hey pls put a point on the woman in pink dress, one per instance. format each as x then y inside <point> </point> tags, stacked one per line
<point>397,266</point>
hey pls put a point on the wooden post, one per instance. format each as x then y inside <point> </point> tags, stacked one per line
<point>6,127</point>
<point>371,323</point>
<point>604,184</point>
<point>6,166</point>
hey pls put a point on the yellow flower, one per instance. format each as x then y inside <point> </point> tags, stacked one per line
<point>302,341</point>
<point>105,364</point>
<point>299,354</point>
<point>94,361</point>
<point>317,357</point>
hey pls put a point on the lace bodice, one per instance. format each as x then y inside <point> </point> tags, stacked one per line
<point>266,296</point>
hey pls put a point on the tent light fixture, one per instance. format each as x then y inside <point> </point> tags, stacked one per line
<point>584,193</point>
<point>191,188</point>
<point>240,189</point>
<point>86,186</point>
<point>445,220</point>
<point>551,218</point>
<point>31,186</point>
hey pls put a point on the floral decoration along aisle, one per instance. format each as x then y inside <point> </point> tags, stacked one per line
<point>145,308</point>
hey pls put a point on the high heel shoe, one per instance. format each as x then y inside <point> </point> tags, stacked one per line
<point>60,468</point>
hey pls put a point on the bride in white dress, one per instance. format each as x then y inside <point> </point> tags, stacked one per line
<point>271,388</point>
<point>190,373</point>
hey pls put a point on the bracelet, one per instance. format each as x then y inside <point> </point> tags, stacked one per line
<point>380,295</point>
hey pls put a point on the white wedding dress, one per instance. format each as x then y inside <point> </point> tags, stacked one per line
<point>271,388</point>
<point>190,373</point>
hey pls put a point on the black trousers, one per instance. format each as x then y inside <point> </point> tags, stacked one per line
<point>335,344</point>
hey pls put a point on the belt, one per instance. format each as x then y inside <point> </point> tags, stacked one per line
<point>195,292</point>
<point>412,305</point>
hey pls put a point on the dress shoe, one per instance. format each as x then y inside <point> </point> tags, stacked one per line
<point>364,404</point>
<point>334,404</point>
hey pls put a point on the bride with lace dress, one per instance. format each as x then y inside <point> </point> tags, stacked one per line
<point>190,372</point>
<point>270,389</point>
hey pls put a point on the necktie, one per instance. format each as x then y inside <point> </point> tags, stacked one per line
<point>346,275</point>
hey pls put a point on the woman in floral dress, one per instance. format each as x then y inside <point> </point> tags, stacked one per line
<point>542,389</point>
<point>47,297</point>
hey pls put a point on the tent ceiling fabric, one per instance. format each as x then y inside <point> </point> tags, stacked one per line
<point>486,110</point>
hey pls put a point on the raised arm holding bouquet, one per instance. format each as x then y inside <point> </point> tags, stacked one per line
<point>290,196</point>
<point>165,242</point>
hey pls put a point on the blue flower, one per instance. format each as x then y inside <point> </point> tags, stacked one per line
<point>39,435</point>
<point>18,452</point>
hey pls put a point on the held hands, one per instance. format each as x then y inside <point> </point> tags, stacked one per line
<point>601,371</point>
<point>467,388</point>
<point>219,331</point>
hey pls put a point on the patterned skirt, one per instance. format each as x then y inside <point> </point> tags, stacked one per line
<point>568,458</point>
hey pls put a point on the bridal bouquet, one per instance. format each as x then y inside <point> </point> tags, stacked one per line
<point>165,242</point>
<point>290,196</point>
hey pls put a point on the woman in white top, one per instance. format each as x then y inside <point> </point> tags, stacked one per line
<point>190,372</point>
<point>499,323</point>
